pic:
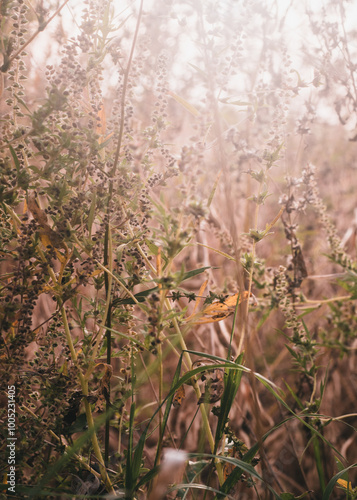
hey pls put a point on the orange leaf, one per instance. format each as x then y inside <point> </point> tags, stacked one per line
<point>228,467</point>
<point>179,396</point>
<point>219,310</point>
<point>38,214</point>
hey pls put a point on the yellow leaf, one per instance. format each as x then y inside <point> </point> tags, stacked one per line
<point>218,310</point>
<point>179,396</point>
<point>346,485</point>
<point>49,237</point>
<point>45,240</point>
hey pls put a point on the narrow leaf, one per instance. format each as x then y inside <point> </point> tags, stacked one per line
<point>184,103</point>
<point>140,296</point>
<point>333,481</point>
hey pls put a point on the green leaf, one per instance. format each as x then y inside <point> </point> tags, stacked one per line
<point>333,481</point>
<point>318,462</point>
<point>229,257</point>
<point>199,70</point>
<point>154,249</point>
<point>297,399</point>
<point>79,425</point>
<point>249,469</point>
<point>35,169</point>
<point>148,477</point>
<point>340,467</point>
<point>231,384</point>
<point>170,398</point>
<point>20,101</point>
<point>198,486</point>
<point>129,469</point>
<point>248,457</point>
<point>226,100</point>
<point>15,158</point>
<point>70,452</point>
<point>210,198</point>
<point>127,337</point>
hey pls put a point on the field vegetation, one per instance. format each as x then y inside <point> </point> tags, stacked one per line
<point>178,249</point>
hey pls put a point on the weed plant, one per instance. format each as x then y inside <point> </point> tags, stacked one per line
<point>178,249</point>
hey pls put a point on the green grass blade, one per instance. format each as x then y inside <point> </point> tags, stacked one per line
<point>129,475</point>
<point>149,476</point>
<point>198,486</point>
<point>296,398</point>
<point>91,215</point>
<point>318,460</point>
<point>212,193</point>
<point>333,481</point>
<point>15,158</point>
<point>301,418</point>
<point>247,458</point>
<point>231,384</point>
<point>70,452</point>
<point>249,469</point>
<point>169,399</point>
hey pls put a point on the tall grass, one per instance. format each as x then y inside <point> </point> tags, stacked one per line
<point>178,274</point>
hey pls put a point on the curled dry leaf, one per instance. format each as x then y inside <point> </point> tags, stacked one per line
<point>228,467</point>
<point>38,214</point>
<point>214,386</point>
<point>217,310</point>
<point>48,236</point>
<point>179,396</point>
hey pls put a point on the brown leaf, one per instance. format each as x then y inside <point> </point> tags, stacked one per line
<point>300,270</point>
<point>214,387</point>
<point>104,389</point>
<point>49,238</point>
<point>38,214</point>
<point>228,467</point>
<point>219,310</point>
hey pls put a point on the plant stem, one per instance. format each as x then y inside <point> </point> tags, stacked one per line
<point>58,438</point>
<point>125,86</point>
<point>34,35</point>
<point>108,262</point>
<point>89,416</point>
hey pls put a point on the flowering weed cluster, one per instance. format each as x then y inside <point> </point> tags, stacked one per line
<point>172,320</point>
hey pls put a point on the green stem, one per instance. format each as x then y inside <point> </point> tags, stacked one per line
<point>89,416</point>
<point>319,466</point>
<point>108,262</point>
<point>196,388</point>
<point>66,447</point>
<point>123,96</point>
<point>161,380</point>
<point>250,282</point>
